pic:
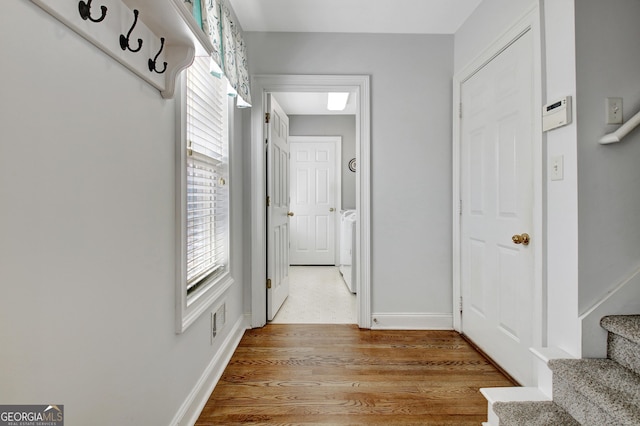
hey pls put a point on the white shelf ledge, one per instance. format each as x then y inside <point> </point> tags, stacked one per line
<point>549,353</point>
<point>622,131</point>
<point>157,19</point>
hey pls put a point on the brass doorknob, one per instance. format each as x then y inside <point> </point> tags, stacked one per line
<point>290,214</point>
<point>331,209</point>
<point>523,239</point>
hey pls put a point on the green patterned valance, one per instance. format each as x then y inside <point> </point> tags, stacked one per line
<point>229,58</point>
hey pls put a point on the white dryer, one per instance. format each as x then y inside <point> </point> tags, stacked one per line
<point>347,248</point>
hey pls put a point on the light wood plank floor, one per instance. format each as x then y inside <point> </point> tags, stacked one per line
<point>296,374</point>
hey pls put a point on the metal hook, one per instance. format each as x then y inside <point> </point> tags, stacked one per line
<point>85,11</point>
<point>152,62</point>
<point>124,41</point>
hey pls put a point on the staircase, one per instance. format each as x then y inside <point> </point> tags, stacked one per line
<point>589,391</point>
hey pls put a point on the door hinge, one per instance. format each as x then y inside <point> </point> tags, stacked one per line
<point>268,283</point>
<point>460,110</point>
<point>460,208</point>
<point>460,304</point>
<point>267,117</point>
<point>268,201</point>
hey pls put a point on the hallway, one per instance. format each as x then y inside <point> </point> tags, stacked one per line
<point>317,295</point>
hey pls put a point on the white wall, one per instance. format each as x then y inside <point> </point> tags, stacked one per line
<point>333,125</point>
<point>87,246</point>
<point>562,196</point>
<point>411,151</point>
<point>607,35</point>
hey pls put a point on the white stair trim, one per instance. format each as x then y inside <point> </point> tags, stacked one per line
<point>545,375</point>
<point>509,394</point>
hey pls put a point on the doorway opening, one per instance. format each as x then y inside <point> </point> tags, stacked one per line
<point>264,86</point>
<point>317,295</point>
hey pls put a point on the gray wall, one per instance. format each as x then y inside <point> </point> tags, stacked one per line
<point>87,225</point>
<point>411,151</point>
<point>333,125</point>
<point>489,20</point>
<point>607,35</point>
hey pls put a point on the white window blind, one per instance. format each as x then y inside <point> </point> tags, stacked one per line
<point>207,176</point>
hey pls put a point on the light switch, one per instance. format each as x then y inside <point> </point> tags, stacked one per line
<point>614,110</point>
<point>556,168</point>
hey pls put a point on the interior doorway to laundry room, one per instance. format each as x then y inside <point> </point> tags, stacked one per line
<point>263,86</point>
<point>322,188</point>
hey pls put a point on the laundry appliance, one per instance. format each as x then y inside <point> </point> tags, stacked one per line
<point>347,248</point>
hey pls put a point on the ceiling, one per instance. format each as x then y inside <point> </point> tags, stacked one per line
<point>311,104</point>
<point>348,16</point>
<point>354,16</point>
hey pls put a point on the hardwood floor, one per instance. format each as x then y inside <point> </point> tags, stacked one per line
<point>297,374</point>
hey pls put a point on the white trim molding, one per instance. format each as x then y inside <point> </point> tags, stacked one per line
<point>263,84</point>
<point>412,322</point>
<point>530,21</point>
<point>622,300</point>
<point>192,406</point>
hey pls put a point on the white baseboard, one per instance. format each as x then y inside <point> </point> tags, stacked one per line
<point>190,410</point>
<point>412,322</point>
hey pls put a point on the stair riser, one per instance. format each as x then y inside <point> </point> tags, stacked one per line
<point>578,406</point>
<point>624,352</point>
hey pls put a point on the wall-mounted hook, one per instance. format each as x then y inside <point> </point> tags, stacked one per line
<point>85,11</point>
<point>124,41</point>
<point>152,62</point>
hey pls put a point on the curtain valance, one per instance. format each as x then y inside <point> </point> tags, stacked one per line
<point>229,57</point>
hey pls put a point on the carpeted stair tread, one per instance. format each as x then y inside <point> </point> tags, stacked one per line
<point>532,413</point>
<point>606,384</point>
<point>627,326</point>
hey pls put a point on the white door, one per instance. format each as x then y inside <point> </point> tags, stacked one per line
<point>497,204</point>
<point>277,207</point>
<point>313,202</point>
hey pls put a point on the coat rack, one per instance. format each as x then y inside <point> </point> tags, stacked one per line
<point>124,40</point>
<point>122,33</point>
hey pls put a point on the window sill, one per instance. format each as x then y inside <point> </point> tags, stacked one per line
<point>188,312</point>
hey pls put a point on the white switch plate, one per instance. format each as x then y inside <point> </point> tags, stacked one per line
<point>614,111</point>
<point>556,169</point>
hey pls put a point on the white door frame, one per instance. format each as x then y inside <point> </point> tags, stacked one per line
<point>337,140</point>
<point>263,84</point>
<point>531,21</point>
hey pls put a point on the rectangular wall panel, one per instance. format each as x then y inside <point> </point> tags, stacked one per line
<point>508,162</point>
<point>322,226</point>
<point>509,282</point>
<point>477,172</point>
<point>477,276</point>
<point>322,186</point>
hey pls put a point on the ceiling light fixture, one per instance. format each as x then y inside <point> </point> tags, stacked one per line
<point>337,101</point>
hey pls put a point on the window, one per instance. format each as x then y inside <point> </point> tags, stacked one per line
<point>203,192</point>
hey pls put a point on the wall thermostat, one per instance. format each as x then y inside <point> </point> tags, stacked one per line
<point>556,114</point>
